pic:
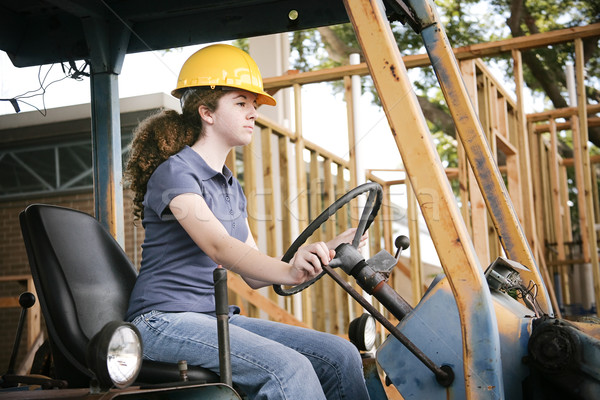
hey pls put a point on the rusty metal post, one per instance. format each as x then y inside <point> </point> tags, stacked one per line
<point>471,133</point>
<point>481,344</point>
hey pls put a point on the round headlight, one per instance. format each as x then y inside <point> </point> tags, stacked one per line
<point>362,332</point>
<point>115,355</point>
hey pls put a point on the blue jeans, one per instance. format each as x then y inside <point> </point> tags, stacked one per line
<point>269,360</point>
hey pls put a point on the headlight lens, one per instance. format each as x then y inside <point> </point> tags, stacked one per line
<point>115,355</point>
<point>362,332</point>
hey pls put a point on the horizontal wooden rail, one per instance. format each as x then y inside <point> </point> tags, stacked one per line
<point>567,262</point>
<point>568,162</point>
<point>489,49</point>
<point>277,129</point>
<point>281,131</point>
<point>564,126</point>
<point>13,301</point>
<point>565,112</point>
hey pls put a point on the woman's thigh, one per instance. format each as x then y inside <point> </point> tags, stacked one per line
<point>335,360</point>
<point>304,340</point>
<point>263,368</point>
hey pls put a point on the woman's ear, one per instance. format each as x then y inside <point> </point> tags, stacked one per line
<point>206,114</point>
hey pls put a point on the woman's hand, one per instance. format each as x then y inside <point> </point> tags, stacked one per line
<point>306,263</point>
<point>346,237</point>
<point>308,260</point>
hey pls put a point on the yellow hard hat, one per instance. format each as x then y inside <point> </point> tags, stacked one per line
<point>222,65</point>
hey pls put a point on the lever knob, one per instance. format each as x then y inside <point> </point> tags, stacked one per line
<point>402,242</point>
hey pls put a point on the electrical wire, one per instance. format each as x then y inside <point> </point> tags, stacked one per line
<point>529,296</point>
<point>71,71</point>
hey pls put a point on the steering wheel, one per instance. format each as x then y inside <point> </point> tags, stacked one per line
<point>368,215</point>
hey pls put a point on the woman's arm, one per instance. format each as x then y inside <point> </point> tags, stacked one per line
<point>253,283</point>
<point>210,235</point>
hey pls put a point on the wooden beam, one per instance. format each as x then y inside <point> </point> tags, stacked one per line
<point>536,179</point>
<point>9,302</point>
<point>277,129</point>
<point>564,198</point>
<point>415,246</point>
<point>15,278</point>
<point>342,225</point>
<point>586,166</point>
<point>527,42</point>
<point>478,221</point>
<point>568,162</point>
<point>565,126</point>
<point>557,211</point>
<point>250,183</point>
<point>237,284</point>
<point>351,130</point>
<point>565,112</point>
<point>524,150</point>
<point>284,179</point>
<point>326,154</point>
<point>316,290</point>
<point>268,191</point>
<point>489,49</point>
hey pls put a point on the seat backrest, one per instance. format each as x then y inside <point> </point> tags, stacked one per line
<point>83,280</point>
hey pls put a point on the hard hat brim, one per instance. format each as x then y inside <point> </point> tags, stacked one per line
<point>262,97</point>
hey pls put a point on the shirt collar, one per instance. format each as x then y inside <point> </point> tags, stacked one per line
<point>205,172</point>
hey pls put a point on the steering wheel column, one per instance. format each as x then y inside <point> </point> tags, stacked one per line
<point>349,259</point>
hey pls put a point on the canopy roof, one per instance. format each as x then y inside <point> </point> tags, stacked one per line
<point>36,32</point>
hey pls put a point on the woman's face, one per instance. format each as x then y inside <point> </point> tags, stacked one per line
<point>233,120</point>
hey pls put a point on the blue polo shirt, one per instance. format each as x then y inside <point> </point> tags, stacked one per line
<point>176,275</point>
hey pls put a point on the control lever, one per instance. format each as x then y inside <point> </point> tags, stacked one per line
<point>402,242</point>
<point>10,379</point>
<point>383,261</point>
<point>222,311</point>
<point>26,301</point>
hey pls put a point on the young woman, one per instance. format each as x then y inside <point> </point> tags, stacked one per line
<point>194,214</point>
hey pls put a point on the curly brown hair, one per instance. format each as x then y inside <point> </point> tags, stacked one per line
<point>162,135</point>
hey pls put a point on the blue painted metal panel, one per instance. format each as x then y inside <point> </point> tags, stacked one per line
<point>434,326</point>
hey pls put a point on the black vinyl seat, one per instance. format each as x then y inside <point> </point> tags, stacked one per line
<point>83,280</point>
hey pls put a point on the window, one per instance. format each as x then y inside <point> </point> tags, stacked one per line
<point>51,168</point>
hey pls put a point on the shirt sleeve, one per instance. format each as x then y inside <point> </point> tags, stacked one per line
<point>168,182</point>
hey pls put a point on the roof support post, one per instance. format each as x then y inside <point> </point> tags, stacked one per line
<point>107,39</point>
<point>106,153</point>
